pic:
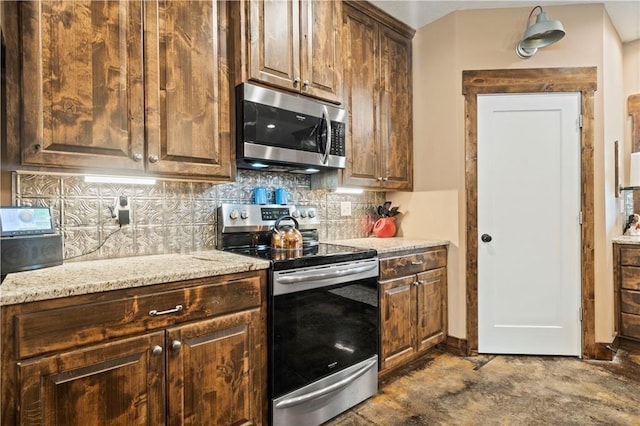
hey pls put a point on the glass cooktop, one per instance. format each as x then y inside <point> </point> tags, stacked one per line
<point>310,255</point>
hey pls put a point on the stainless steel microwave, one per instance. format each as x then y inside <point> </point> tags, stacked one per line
<point>279,131</point>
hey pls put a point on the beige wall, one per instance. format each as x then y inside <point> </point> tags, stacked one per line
<point>486,39</point>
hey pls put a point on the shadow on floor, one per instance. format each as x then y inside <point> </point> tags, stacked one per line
<point>442,389</point>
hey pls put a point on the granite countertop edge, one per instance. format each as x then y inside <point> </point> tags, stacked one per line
<point>95,276</point>
<point>627,239</point>
<point>390,245</point>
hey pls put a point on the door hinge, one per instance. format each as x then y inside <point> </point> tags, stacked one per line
<point>580,121</point>
<point>580,218</point>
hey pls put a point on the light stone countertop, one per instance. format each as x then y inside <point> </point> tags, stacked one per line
<point>627,239</point>
<point>75,278</point>
<point>390,245</point>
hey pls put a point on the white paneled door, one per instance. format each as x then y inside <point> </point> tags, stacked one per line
<point>529,282</point>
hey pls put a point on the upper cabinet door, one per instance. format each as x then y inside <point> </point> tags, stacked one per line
<point>187,88</point>
<point>396,132</point>
<point>82,84</point>
<point>293,45</point>
<point>320,50</point>
<point>360,96</point>
<point>274,45</point>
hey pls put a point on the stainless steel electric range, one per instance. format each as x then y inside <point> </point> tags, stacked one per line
<point>322,314</point>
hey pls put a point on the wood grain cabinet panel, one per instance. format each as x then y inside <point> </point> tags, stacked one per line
<point>397,311</point>
<point>378,98</point>
<point>126,86</point>
<point>210,376</point>
<point>117,383</point>
<point>413,305</point>
<point>292,45</point>
<point>627,290</point>
<point>82,102</point>
<point>203,365</point>
<point>187,92</point>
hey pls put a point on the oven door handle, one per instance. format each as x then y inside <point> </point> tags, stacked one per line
<point>320,392</point>
<point>326,275</point>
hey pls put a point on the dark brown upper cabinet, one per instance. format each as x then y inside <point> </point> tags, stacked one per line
<point>125,86</point>
<point>377,94</point>
<point>292,45</point>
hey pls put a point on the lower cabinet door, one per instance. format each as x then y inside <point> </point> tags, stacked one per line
<point>116,383</point>
<point>431,293</point>
<point>397,321</point>
<point>211,366</point>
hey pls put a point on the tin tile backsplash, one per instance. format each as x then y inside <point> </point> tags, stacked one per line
<point>173,216</point>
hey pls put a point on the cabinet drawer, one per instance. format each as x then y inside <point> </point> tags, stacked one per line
<point>412,263</point>
<point>630,256</point>
<point>630,277</point>
<point>630,325</point>
<point>630,302</point>
<point>63,328</point>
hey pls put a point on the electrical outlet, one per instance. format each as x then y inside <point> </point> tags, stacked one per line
<point>122,211</point>
<point>345,208</point>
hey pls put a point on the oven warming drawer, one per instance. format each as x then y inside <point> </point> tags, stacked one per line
<point>328,397</point>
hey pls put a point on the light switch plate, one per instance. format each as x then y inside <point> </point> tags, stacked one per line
<point>345,208</point>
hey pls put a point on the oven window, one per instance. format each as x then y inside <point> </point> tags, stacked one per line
<point>318,332</point>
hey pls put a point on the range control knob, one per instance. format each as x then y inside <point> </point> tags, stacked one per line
<point>295,214</point>
<point>234,214</point>
<point>303,213</point>
<point>312,213</point>
<point>244,214</point>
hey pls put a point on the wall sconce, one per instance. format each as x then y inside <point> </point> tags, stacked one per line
<point>543,33</point>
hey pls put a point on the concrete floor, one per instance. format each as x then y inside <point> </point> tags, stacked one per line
<point>442,389</point>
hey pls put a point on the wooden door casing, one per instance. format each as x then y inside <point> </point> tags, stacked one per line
<point>116,383</point>
<point>397,320</point>
<point>82,101</point>
<point>187,88</point>
<point>210,376</point>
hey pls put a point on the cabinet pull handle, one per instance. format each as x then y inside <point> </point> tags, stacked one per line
<point>155,313</point>
<point>156,350</point>
<point>417,262</point>
<point>176,345</point>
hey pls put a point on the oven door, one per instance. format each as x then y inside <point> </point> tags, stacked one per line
<point>323,338</point>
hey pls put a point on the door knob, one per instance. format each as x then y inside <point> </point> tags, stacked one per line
<point>486,238</point>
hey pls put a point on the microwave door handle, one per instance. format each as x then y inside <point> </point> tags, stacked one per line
<point>327,146</point>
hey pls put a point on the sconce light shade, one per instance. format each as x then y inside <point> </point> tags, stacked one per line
<point>634,169</point>
<point>543,33</point>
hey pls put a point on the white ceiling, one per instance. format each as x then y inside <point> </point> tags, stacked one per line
<point>625,14</point>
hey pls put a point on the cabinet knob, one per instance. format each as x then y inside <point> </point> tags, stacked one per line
<point>153,158</point>
<point>157,350</point>
<point>486,238</point>
<point>296,81</point>
<point>137,157</point>
<point>176,345</point>
<point>379,177</point>
<point>385,179</point>
<point>305,83</point>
